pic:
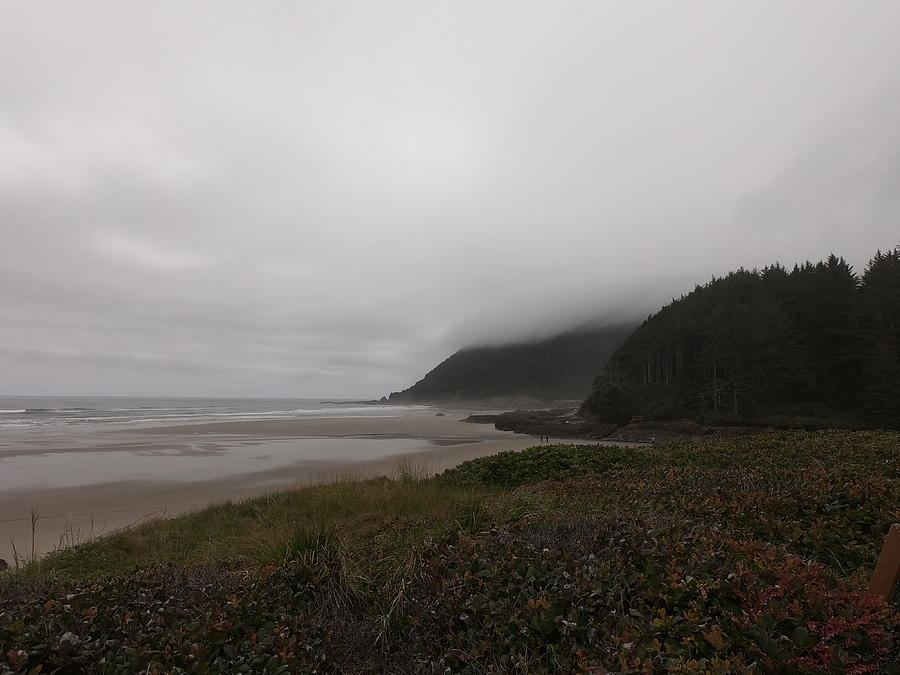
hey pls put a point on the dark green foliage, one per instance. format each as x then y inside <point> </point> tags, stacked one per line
<point>632,595</point>
<point>203,620</point>
<point>830,495</point>
<point>613,403</point>
<point>561,367</point>
<point>544,462</point>
<point>812,347</point>
<point>742,555</point>
<point>879,317</point>
<point>749,554</point>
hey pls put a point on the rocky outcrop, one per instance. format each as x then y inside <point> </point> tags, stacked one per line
<point>569,423</point>
<point>481,419</point>
<point>558,423</point>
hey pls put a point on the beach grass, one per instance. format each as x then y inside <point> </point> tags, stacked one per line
<point>793,479</point>
<point>738,555</point>
<point>377,519</point>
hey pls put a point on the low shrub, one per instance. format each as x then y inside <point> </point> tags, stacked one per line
<point>637,595</point>
<point>741,555</point>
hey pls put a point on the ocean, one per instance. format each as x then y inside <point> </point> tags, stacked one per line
<point>35,432</point>
<point>100,463</point>
<point>52,442</point>
<point>24,412</point>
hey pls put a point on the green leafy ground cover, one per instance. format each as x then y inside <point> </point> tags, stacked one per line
<point>732,556</point>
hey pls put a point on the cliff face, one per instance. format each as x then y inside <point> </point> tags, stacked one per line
<point>558,368</point>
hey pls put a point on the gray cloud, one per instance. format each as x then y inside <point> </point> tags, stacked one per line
<point>325,199</point>
<point>844,185</point>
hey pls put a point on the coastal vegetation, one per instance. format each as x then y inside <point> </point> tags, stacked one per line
<point>814,347</point>
<point>817,346</point>
<point>557,368</point>
<point>740,555</point>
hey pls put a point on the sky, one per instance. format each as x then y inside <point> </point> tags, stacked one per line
<point>326,199</point>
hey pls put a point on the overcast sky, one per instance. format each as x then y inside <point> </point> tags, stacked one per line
<point>328,198</point>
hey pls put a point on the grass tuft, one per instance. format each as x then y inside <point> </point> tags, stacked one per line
<point>308,544</point>
<point>746,555</point>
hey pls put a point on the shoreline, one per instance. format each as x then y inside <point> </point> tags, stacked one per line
<point>419,426</point>
<point>71,514</point>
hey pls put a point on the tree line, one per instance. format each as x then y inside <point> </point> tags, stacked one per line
<point>817,345</point>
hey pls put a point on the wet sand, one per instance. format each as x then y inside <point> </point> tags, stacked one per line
<point>448,426</point>
<point>76,507</point>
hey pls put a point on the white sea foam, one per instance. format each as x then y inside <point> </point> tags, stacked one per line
<point>358,409</point>
<point>46,413</point>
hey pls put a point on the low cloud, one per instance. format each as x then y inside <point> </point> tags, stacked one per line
<point>327,200</point>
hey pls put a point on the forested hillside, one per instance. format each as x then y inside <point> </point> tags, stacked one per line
<point>561,367</point>
<point>816,345</point>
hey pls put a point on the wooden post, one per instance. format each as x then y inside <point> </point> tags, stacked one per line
<point>887,570</point>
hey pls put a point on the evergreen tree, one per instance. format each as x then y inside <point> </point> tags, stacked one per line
<point>560,367</point>
<point>879,309</point>
<point>816,345</point>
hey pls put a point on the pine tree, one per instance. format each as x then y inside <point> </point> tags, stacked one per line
<point>879,305</point>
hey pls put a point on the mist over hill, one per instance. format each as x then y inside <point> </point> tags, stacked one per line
<point>557,368</point>
<point>817,346</point>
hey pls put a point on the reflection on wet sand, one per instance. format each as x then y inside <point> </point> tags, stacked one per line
<point>90,483</point>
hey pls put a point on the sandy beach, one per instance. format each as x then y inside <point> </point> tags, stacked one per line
<point>120,478</point>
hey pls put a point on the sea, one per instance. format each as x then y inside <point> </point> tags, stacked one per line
<point>25,412</point>
<point>53,442</point>
<point>91,463</point>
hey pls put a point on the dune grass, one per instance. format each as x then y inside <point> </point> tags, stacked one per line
<point>790,479</point>
<point>377,520</point>
<point>741,555</point>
